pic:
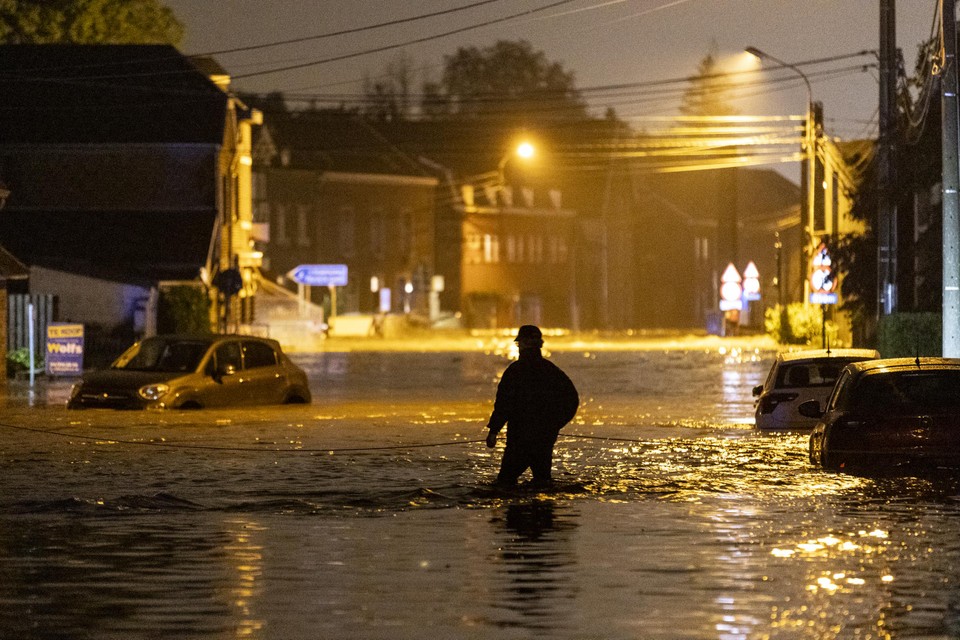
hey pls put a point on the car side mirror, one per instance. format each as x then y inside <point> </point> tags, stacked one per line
<point>225,370</point>
<point>810,409</point>
<point>757,390</point>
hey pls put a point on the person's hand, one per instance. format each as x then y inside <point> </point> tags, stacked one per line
<point>491,439</point>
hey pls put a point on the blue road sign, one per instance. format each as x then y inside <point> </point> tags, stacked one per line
<point>320,275</point>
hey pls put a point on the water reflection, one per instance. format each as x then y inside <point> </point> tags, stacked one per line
<point>538,564</point>
<point>108,577</point>
<point>245,555</point>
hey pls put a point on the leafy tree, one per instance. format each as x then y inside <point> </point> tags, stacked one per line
<point>918,158</point>
<point>88,22</point>
<point>709,91</point>
<point>508,81</point>
<point>387,97</point>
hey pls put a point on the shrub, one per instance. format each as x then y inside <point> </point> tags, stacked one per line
<point>799,323</point>
<point>183,309</point>
<point>19,360</point>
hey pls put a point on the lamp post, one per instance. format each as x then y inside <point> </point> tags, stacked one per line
<point>809,144</point>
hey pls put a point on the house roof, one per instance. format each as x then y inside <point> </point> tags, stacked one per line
<point>163,245</point>
<point>106,93</point>
<point>10,267</point>
<point>336,141</point>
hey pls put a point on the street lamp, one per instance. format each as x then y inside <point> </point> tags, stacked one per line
<point>809,141</point>
<point>524,150</point>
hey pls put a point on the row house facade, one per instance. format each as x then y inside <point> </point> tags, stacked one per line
<point>517,258</point>
<point>128,168</point>
<point>331,192</point>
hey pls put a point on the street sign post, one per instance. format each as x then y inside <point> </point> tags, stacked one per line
<point>64,349</point>
<point>319,275</point>
<point>823,282</point>
<point>731,293</point>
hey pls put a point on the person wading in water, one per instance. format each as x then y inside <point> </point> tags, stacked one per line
<point>535,398</point>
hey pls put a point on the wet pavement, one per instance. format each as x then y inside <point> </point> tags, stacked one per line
<point>369,513</point>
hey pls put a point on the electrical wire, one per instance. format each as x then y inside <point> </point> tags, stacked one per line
<point>262,449</point>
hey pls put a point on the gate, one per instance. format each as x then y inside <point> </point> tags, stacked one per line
<point>18,327</point>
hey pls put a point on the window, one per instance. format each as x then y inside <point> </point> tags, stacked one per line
<point>228,355</point>
<point>280,223</point>
<point>378,234</point>
<point>346,225</point>
<point>491,248</point>
<point>258,354</point>
<point>404,240</point>
<point>474,248</point>
<point>534,249</point>
<point>303,234</point>
<point>511,247</point>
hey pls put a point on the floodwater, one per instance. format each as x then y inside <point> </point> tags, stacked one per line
<point>369,514</point>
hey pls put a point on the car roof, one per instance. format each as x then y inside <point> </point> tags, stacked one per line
<point>822,354</point>
<point>209,338</point>
<point>901,364</point>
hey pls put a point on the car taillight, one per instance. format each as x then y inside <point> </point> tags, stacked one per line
<point>769,402</point>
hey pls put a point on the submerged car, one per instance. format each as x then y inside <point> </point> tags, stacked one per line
<point>894,413</point>
<point>193,372</point>
<point>797,377</point>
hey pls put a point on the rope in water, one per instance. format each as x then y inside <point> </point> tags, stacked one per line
<point>263,449</point>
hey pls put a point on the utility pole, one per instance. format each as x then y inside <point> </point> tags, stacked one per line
<point>886,165</point>
<point>951,182</point>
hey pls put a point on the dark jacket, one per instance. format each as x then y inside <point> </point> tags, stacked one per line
<point>535,397</point>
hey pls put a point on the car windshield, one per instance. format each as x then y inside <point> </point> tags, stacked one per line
<point>812,373</point>
<point>912,391</point>
<point>164,355</point>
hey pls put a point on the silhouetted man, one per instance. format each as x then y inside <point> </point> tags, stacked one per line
<point>535,399</point>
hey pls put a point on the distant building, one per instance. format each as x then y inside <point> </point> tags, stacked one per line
<point>129,170</point>
<point>328,189</point>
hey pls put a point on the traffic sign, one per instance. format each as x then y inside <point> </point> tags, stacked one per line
<point>320,275</point>
<point>822,279</point>
<point>751,282</point>
<point>731,293</point>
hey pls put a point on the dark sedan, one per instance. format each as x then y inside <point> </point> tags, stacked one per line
<point>888,414</point>
<point>192,372</point>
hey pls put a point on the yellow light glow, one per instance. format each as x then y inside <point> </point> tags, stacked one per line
<point>246,160</point>
<point>525,150</point>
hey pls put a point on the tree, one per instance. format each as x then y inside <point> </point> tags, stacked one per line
<point>709,90</point>
<point>919,249</point>
<point>508,81</point>
<point>88,22</point>
<point>387,97</point>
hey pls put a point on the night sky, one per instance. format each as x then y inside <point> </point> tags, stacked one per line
<point>604,42</point>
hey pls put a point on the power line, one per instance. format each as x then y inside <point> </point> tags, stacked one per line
<point>344,32</point>
<point>407,43</point>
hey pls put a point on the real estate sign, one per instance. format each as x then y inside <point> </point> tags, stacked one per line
<point>64,355</point>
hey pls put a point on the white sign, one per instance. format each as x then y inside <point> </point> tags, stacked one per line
<point>730,290</point>
<point>320,275</point>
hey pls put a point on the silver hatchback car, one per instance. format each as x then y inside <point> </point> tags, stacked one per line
<point>193,372</point>
<point>797,377</point>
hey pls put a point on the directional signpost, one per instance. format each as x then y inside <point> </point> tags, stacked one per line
<point>320,275</point>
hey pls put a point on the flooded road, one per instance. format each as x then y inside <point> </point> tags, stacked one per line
<point>369,514</point>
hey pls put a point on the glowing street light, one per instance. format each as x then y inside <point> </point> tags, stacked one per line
<point>809,137</point>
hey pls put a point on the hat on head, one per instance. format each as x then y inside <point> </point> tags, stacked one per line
<point>529,332</point>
